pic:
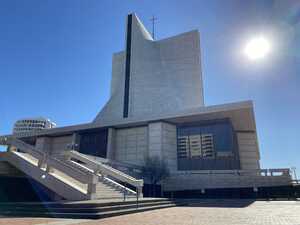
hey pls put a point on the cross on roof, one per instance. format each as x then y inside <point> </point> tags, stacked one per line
<point>153,19</point>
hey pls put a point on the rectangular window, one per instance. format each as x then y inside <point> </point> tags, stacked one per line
<point>207,145</point>
<point>183,146</point>
<point>195,146</point>
<point>94,142</point>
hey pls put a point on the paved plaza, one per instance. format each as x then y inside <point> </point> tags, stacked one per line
<point>231,212</point>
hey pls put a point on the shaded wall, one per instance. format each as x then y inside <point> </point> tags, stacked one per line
<point>22,189</point>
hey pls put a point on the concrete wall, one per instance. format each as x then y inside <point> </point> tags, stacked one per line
<point>131,145</point>
<point>59,144</point>
<point>54,145</point>
<point>44,144</point>
<point>134,145</point>
<point>248,150</point>
<point>222,179</point>
<point>113,109</point>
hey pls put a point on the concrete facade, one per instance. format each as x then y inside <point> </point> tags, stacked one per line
<point>165,76</point>
<point>164,79</point>
<point>135,145</point>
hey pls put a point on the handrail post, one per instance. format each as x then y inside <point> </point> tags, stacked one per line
<point>137,197</point>
<point>92,186</point>
<point>138,191</point>
<point>124,194</point>
<point>42,161</point>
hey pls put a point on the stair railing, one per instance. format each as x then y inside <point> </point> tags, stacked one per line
<point>49,163</point>
<point>105,170</point>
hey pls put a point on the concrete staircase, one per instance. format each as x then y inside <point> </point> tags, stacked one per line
<point>84,210</point>
<point>108,189</point>
<point>72,177</point>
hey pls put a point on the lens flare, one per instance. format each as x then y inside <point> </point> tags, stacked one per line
<point>257,48</point>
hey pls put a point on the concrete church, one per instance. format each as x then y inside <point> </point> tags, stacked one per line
<point>156,109</point>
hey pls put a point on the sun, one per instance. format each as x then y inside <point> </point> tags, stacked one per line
<point>257,48</point>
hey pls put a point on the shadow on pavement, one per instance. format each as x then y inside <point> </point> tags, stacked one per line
<point>220,203</point>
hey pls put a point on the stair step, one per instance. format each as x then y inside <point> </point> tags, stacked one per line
<point>107,189</point>
<point>79,204</point>
<point>136,210</point>
<point>83,210</point>
<point>87,215</point>
<point>109,195</point>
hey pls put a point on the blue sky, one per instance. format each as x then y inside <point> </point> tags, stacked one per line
<point>55,60</point>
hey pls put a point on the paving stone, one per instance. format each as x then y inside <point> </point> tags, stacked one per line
<point>256,213</point>
<point>228,212</point>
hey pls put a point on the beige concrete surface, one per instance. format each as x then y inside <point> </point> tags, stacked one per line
<point>26,221</point>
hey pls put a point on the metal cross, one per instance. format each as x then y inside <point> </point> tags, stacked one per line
<point>153,19</point>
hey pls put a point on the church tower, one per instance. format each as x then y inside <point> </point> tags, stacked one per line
<point>154,77</point>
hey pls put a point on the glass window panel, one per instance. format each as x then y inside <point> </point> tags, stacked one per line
<point>206,140</point>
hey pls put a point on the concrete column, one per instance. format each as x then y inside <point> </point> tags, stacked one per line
<point>110,150</point>
<point>155,140</point>
<point>92,186</point>
<point>49,169</point>
<point>43,144</point>
<point>169,141</point>
<point>76,141</point>
<point>140,192</point>
<point>163,143</point>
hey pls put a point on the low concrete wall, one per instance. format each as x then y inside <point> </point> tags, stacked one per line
<point>223,179</point>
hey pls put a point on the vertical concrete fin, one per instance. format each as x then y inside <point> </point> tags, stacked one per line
<point>138,27</point>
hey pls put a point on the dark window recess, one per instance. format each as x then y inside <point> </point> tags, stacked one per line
<point>94,143</point>
<point>207,145</point>
<point>127,67</point>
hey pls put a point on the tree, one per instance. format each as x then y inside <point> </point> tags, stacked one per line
<point>155,170</point>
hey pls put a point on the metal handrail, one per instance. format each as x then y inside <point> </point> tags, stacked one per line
<point>295,181</point>
<point>106,170</point>
<point>267,172</point>
<point>120,185</point>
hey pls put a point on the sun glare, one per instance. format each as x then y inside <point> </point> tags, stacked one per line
<point>257,48</point>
